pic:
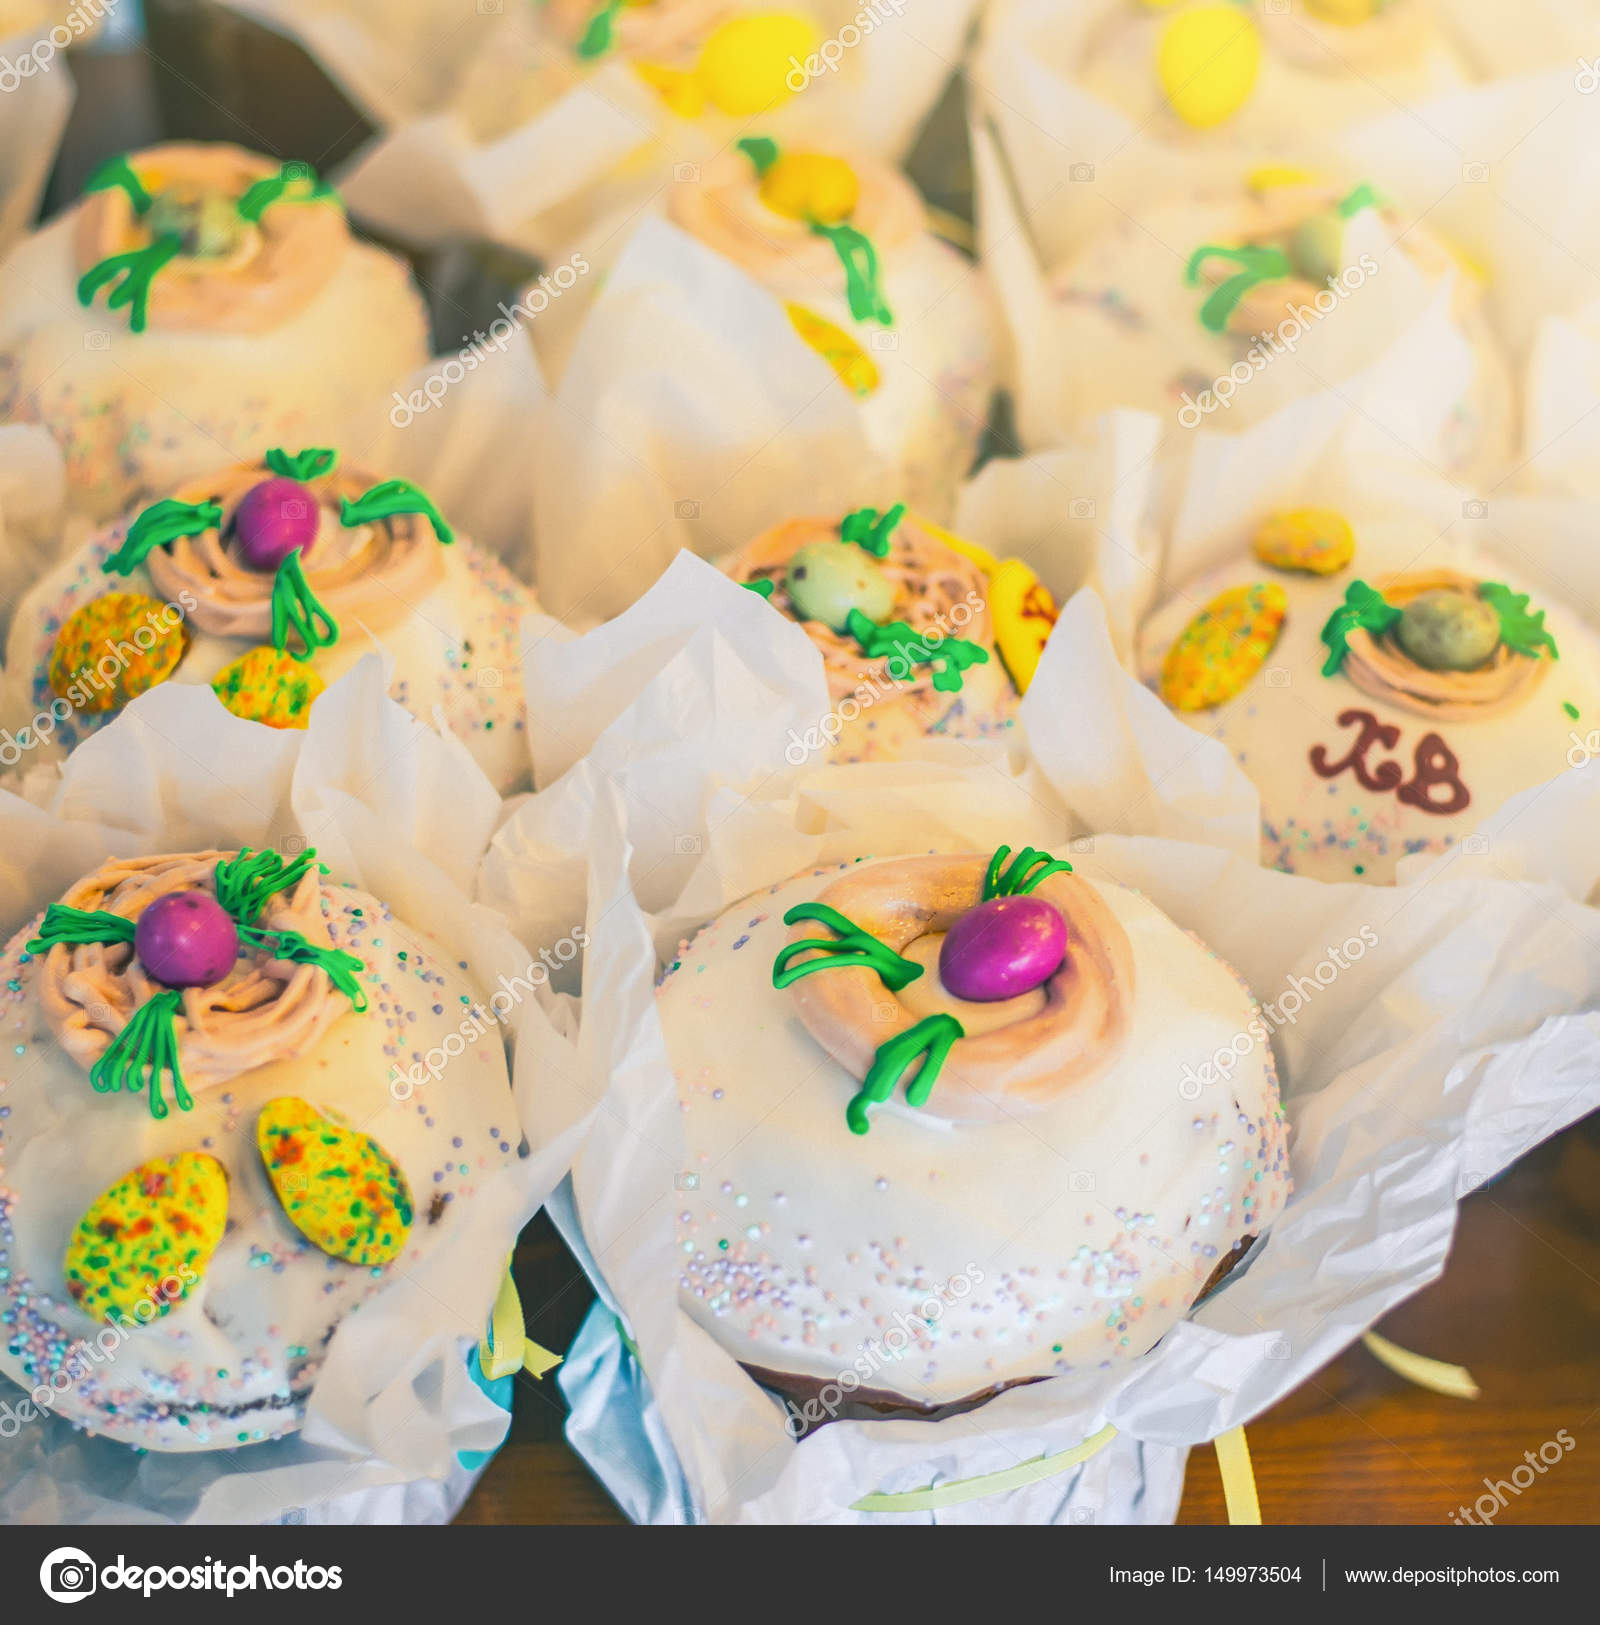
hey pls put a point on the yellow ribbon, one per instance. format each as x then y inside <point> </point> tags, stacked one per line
<point>505,1347</point>
<point>1453,1381</point>
<point>1238,1477</point>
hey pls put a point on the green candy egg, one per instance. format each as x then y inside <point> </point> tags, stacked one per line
<point>209,224</point>
<point>1446,630</point>
<point>827,580</point>
<point>1317,247</point>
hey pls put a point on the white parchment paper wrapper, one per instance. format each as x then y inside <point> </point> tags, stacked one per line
<point>559,167</point>
<point>36,96</point>
<point>404,813</point>
<point>33,494</point>
<point>1468,1033</point>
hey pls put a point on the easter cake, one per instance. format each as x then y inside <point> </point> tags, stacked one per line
<point>268,581</point>
<point>1385,692</point>
<point>205,1163</point>
<point>197,296</point>
<point>952,1129</point>
<point>899,316</point>
<point>921,633</point>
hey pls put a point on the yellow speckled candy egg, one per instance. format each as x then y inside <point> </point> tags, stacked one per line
<point>1317,540</point>
<point>746,67</point>
<point>341,1190</point>
<point>148,1239</point>
<point>1024,617</point>
<point>1223,647</point>
<point>852,366</point>
<point>267,685</point>
<point>141,638</point>
<point>1208,60</point>
<point>811,186</point>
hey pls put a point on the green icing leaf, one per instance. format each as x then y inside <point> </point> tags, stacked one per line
<point>598,36</point>
<point>1363,607</point>
<point>761,150</point>
<point>863,290</point>
<point>244,883</point>
<point>392,497</point>
<point>1518,629</point>
<point>1257,265</point>
<point>158,526</point>
<point>762,589</point>
<point>136,270</point>
<point>116,174</point>
<point>64,924</point>
<point>1027,870</point>
<point>296,608</point>
<point>898,641</point>
<point>294,183</point>
<point>932,1039</point>
<point>1362,197</point>
<point>339,967</point>
<point>868,530</point>
<point>851,946</point>
<point>146,1047</point>
<point>309,464</point>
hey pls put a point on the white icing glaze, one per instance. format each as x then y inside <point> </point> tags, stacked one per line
<point>1328,827</point>
<point>1093,1224</point>
<point>137,413</point>
<point>252,1337</point>
<point>458,649</point>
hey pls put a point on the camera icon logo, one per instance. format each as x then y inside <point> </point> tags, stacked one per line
<point>1080,1180</point>
<point>97,338</point>
<point>1475,172</point>
<point>687,1182</point>
<point>1475,844</point>
<point>885,339</point>
<point>687,846</point>
<point>1081,508</point>
<point>1082,172</point>
<point>1276,677</point>
<point>488,677</point>
<point>686,172</point>
<point>1081,843</point>
<point>68,1575</point>
<point>686,510</point>
<point>1474,508</point>
<point>1278,8</point>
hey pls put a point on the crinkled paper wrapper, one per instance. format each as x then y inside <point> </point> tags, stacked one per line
<point>582,162</point>
<point>33,115</point>
<point>1467,1035</point>
<point>404,813</point>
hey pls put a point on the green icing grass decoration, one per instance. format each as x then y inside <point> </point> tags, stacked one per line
<point>851,947</point>
<point>310,464</point>
<point>901,644</point>
<point>294,183</point>
<point>392,497</point>
<point>1362,197</point>
<point>245,883</point>
<point>116,174</point>
<point>761,150</point>
<point>159,526</point>
<point>1518,629</point>
<point>136,269</point>
<point>862,287</point>
<point>147,1045</point>
<point>1365,608</point>
<point>868,530</point>
<point>339,967</point>
<point>762,589</point>
<point>599,36</point>
<point>932,1039</point>
<point>1028,869</point>
<point>1257,265</point>
<point>65,924</point>
<point>296,608</point>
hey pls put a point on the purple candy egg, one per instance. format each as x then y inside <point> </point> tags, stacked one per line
<point>186,939</point>
<point>276,517</point>
<point>1001,948</point>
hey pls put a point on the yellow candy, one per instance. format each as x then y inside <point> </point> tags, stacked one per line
<point>1223,647</point>
<point>1024,617</point>
<point>679,90</point>
<point>1269,177</point>
<point>264,685</point>
<point>747,63</point>
<point>811,186</point>
<point>341,1190</point>
<point>1207,62</point>
<point>114,648</point>
<point>1317,540</point>
<point>980,556</point>
<point>148,1239</point>
<point>852,366</point>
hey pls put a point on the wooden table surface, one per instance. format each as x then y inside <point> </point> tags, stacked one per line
<point>1518,1304</point>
